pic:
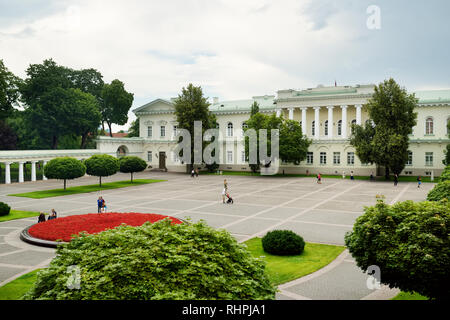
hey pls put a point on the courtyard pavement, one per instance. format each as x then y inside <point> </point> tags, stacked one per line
<point>320,213</point>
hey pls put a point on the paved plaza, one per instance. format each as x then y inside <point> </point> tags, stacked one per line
<point>320,213</point>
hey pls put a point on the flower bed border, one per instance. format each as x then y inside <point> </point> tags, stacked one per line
<point>28,238</point>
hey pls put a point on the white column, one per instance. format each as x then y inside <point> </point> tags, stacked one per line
<point>21,171</point>
<point>291,113</point>
<point>316,122</point>
<point>330,122</point>
<point>33,170</point>
<point>304,124</point>
<point>43,175</point>
<point>7,173</point>
<point>344,122</point>
<point>278,113</point>
<point>358,114</point>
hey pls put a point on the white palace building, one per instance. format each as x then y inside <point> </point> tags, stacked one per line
<point>325,113</point>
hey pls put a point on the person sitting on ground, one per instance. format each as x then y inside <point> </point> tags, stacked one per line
<point>52,215</point>
<point>41,217</point>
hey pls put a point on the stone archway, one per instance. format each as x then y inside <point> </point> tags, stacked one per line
<point>122,151</point>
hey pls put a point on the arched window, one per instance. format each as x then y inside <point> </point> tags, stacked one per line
<point>313,128</point>
<point>429,125</point>
<point>229,129</point>
<point>326,127</point>
<point>339,128</point>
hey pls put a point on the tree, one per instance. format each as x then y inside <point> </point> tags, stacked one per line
<point>102,165</point>
<point>446,161</point>
<point>8,138</point>
<point>391,109</point>
<point>409,242</point>
<point>159,261</point>
<point>116,102</point>
<point>254,108</point>
<point>133,131</point>
<point>9,91</point>
<point>191,106</point>
<point>130,164</point>
<point>64,168</point>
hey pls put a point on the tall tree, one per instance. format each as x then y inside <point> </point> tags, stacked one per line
<point>116,102</point>
<point>133,131</point>
<point>446,160</point>
<point>254,108</point>
<point>8,138</point>
<point>386,144</point>
<point>9,91</point>
<point>192,106</point>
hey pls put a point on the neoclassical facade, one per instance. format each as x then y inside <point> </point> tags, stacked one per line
<point>326,115</point>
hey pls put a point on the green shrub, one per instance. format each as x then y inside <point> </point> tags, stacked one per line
<point>155,261</point>
<point>64,168</point>
<point>130,164</point>
<point>102,165</point>
<point>4,209</point>
<point>445,174</point>
<point>283,243</point>
<point>440,191</point>
<point>409,242</point>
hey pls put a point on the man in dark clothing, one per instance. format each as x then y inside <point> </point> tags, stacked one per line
<point>395,179</point>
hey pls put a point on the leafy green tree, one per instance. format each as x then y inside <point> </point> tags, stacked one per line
<point>446,160</point>
<point>102,165</point>
<point>116,102</point>
<point>191,106</point>
<point>440,191</point>
<point>160,261</point>
<point>409,242</point>
<point>9,91</point>
<point>391,109</point>
<point>254,108</point>
<point>8,138</point>
<point>131,164</point>
<point>64,168</point>
<point>133,131</point>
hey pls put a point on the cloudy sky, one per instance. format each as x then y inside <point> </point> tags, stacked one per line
<point>234,49</point>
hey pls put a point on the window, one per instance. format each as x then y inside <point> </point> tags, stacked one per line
<point>350,158</point>
<point>323,158</point>
<point>326,127</point>
<point>410,159</point>
<point>163,131</point>
<point>230,129</point>
<point>243,156</point>
<point>313,128</point>
<point>175,157</point>
<point>229,156</point>
<point>149,131</point>
<point>336,158</point>
<point>149,156</point>
<point>428,158</point>
<point>339,128</point>
<point>309,158</point>
<point>429,126</point>
<point>175,131</point>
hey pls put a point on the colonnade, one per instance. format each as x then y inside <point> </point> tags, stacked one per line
<point>344,131</point>
<point>21,171</point>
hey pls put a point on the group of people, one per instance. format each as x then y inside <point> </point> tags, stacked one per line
<point>101,205</point>
<point>194,172</point>
<point>52,216</point>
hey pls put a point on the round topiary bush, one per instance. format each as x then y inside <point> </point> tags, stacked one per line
<point>101,165</point>
<point>153,262</point>
<point>4,209</point>
<point>64,168</point>
<point>283,243</point>
<point>130,164</point>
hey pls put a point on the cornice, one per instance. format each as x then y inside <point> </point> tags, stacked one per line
<point>333,97</point>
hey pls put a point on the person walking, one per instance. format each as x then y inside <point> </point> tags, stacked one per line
<point>319,178</point>
<point>351,176</point>
<point>100,203</point>
<point>192,173</point>
<point>419,181</point>
<point>371,176</point>
<point>196,172</point>
<point>395,179</point>
<point>225,190</point>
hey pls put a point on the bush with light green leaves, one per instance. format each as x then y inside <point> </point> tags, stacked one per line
<point>153,262</point>
<point>409,242</point>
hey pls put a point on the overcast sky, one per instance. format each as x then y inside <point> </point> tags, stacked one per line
<point>234,49</point>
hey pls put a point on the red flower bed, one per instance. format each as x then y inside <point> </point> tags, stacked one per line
<point>64,228</point>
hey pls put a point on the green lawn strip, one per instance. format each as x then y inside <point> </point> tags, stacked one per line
<point>15,289</point>
<point>84,189</point>
<point>409,296</point>
<point>17,214</point>
<point>324,176</point>
<point>281,269</point>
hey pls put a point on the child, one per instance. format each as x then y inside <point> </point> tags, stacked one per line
<point>419,181</point>
<point>319,178</point>
<point>230,199</point>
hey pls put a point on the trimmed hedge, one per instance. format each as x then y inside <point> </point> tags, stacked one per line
<point>4,209</point>
<point>130,164</point>
<point>440,191</point>
<point>283,243</point>
<point>64,168</point>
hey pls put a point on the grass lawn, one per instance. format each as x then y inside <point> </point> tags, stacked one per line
<point>17,214</point>
<point>281,269</point>
<point>324,176</point>
<point>84,189</point>
<point>409,296</point>
<point>15,289</point>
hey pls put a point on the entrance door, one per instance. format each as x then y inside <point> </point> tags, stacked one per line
<point>162,160</point>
